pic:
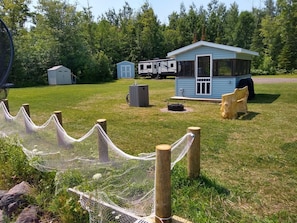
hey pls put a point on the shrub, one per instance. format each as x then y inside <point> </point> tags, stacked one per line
<point>15,168</point>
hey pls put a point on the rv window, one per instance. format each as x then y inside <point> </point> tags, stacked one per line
<point>172,65</point>
<point>186,69</point>
<point>148,66</point>
<point>141,66</point>
<point>155,66</point>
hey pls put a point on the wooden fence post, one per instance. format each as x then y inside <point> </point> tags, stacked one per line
<point>59,136</point>
<point>27,109</point>
<point>6,103</point>
<point>163,184</point>
<point>27,125</point>
<point>193,156</point>
<point>102,144</point>
<point>59,117</point>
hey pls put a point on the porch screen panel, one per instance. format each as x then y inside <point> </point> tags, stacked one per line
<point>203,66</point>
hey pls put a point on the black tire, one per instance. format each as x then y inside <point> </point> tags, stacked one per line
<point>250,83</point>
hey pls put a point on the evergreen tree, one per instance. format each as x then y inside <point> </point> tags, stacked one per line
<point>257,39</point>
<point>244,30</point>
<point>231,21</point>
<point>215,21</point>
<point>149,35</point>
<point>287,20</point>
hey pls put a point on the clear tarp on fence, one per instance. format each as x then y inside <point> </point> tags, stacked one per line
<point>115,186</point>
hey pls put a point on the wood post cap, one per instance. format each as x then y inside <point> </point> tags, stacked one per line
<point>163,147</point>
<point>194,128</point>
<point>101,120</point>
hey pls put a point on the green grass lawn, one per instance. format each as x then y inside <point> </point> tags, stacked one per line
<point>248,165</point>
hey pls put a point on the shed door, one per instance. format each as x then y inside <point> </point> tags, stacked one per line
<point>203,74</point>
<point>126,71</point>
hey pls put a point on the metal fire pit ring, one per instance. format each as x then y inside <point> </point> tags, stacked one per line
<point>175,107</point>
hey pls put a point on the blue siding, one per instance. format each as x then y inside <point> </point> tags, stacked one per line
<point>216,54</point>
<point>125,63</point>
<point>222,85</point>
<point>185,86</point>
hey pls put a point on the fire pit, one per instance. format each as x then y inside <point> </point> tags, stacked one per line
<point>175,107</point>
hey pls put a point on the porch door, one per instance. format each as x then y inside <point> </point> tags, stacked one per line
<point>203,74</point>
<point>126,71</point>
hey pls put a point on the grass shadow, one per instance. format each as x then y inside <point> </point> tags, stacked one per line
<point>289,149</point>
<point>289,158</point>
<point>289,146</point>
<point>209,183</point>
<point>179,181</point>
<point>264,98</point>
<point>249,116</point>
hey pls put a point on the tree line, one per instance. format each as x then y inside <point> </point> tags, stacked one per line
<point>55,33</point>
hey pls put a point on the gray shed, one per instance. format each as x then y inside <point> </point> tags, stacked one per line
<point>125,69</point>
<point>59,75</point>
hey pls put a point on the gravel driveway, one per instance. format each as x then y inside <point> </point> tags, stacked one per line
<point>266,80</point>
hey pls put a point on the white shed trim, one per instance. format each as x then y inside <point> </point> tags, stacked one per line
<point>213,45</point>
<point>56,67</point>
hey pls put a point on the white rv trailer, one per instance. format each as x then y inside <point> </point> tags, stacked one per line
<point>157,68</point>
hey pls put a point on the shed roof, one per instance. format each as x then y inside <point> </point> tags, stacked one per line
<point>57,67</point>
<point>212,45</point>
<point>125,61</point>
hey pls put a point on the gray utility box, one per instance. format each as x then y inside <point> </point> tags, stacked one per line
<point>139,95</point>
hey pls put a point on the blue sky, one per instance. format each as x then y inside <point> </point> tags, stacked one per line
<point>162,8</point>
